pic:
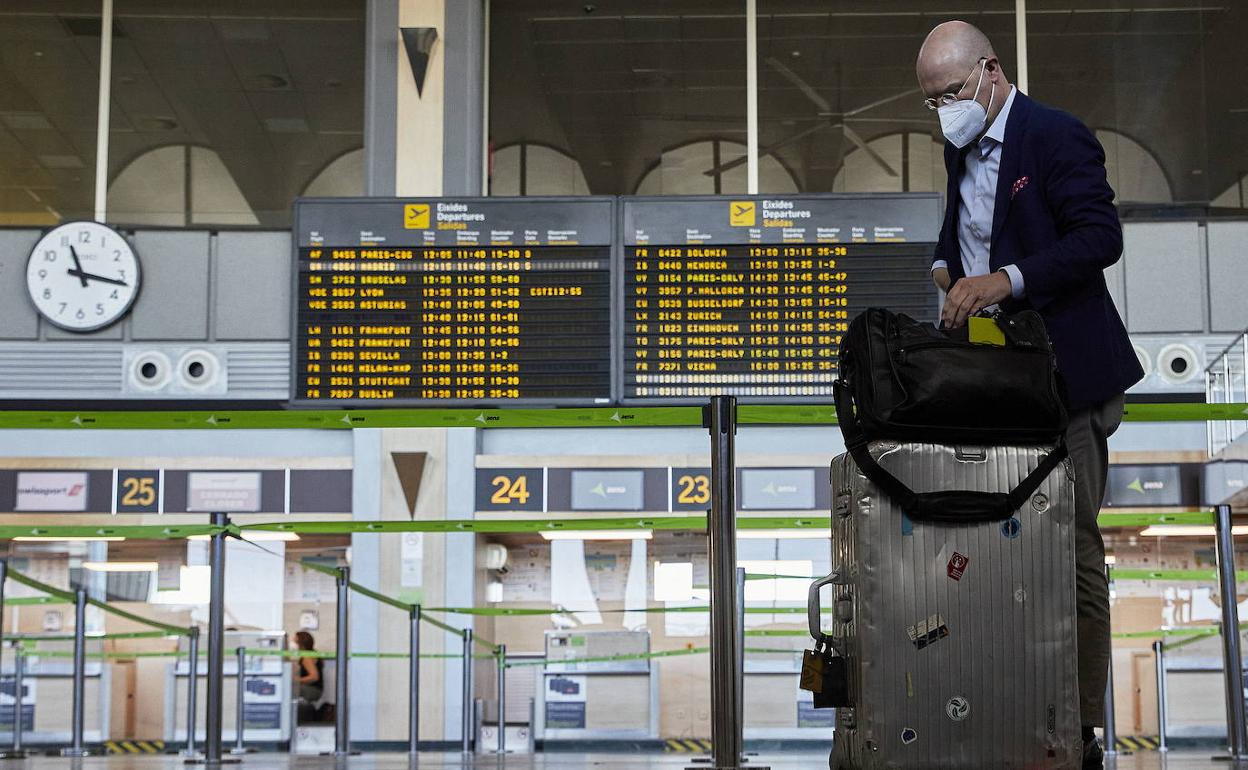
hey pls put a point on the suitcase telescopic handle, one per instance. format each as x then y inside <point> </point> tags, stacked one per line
<point>814,612</point>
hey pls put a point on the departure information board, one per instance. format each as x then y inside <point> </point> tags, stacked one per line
<point>751,296</point>
<point>483,301</point>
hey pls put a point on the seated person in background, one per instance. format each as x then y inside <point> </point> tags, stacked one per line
<point>309,677</point>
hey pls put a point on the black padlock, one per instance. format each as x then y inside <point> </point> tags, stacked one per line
<point>835,690</point>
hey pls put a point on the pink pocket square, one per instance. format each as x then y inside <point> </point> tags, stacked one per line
<point>1019,184</point>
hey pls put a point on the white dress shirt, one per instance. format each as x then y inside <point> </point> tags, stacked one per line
<point>977,199</point>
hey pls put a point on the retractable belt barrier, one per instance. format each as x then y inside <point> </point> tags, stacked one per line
<point>594,417</point>
<point>695,523</point>
<point>29,582</point>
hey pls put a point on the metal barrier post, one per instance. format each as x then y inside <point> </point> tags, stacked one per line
<point>342,664</point>
<point>1232,660</point>
<point>1111,731</point>
<point>532,726</point>
<point>502,699</point>
<point>721,419</point>
<point>192,692</point>
<point>413,682</point>
<point>4,575</point>
<point>466,716</point>
<point>1159,655</point>
<point>215,681</point>
<point>76,748</point>
<point>239,702</point>
<point>19,678</point>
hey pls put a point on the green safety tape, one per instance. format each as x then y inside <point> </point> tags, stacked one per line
<point>1194,575</point>
<point>30,582</point>
<point>1170,646</point>
<point>101,655</point>
<point>777,632</point>
<point>596,417</point>
<point>501,526</point>
<point>503,612</point>
<point>613,658</point>
<point>26,601</point>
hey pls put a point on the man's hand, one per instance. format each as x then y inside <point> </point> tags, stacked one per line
<point>940,277</point>
<point>971,295</point>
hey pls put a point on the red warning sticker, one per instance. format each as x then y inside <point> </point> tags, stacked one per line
<point>957,565</point>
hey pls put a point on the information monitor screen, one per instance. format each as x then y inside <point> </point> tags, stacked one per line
<point>750,296</point>
<point>406,302</point>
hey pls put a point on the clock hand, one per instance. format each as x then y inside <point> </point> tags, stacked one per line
<point>104,279</point>
<point>77,267</point>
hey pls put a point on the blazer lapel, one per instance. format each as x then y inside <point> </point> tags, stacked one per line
<point>1007,171</point>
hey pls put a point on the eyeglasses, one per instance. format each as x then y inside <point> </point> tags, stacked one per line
<point>936,102</point>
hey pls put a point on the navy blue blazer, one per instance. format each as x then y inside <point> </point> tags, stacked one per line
<point>1055,219</point>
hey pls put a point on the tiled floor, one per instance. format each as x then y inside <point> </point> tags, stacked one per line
<point>555,761</point>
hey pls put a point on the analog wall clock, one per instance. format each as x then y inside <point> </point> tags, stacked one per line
<point>82,276</point>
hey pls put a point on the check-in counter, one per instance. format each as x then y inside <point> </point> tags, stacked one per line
<point>775,707</point>
<point>602,700</point>
<point>266,684</point>
<point>48,697</point>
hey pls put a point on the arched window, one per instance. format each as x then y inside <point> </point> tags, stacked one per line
<point>535,169</point>
<point>342,177</point>
<point>909,162</point>
<point>686,170</point>
<point>1133,172</point>
<point>178,185</point>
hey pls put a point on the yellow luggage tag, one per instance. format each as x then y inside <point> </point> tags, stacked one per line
<point>985,331</point>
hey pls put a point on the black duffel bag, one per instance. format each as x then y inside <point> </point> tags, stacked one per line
<point>909,381</point>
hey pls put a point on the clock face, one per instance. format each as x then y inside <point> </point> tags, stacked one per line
<point>82,276</point>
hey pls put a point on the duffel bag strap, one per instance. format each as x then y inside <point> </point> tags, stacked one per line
<point>948,506</point>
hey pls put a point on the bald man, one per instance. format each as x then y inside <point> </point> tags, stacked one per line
<point>1030,223</point>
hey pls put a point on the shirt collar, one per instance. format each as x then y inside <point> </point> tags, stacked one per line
<point>996,131</point>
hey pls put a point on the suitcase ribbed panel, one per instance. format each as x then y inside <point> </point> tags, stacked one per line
<point>1010,650</point>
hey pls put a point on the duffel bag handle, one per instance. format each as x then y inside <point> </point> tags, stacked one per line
<point>946,507</point>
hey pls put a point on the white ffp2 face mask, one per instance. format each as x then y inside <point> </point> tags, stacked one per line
<point>965,119</point>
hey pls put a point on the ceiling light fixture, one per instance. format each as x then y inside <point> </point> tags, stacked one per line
<point>600,534</point>
<point>121,566</point>
<point>1188,531</point>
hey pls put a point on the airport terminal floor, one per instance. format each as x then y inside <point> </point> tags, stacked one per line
<point>555,761</point>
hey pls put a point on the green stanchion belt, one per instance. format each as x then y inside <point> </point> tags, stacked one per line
<point>89,637</point>
<point>1172,575</point>
<point>30,582</point>
<point>27,601</point>
<point>694,523</point>
<point>603,417</point>
<point>391,601</point>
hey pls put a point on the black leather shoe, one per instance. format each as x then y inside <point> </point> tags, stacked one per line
<point>1093,756</point>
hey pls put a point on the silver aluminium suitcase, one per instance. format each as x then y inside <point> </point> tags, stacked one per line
<point>959,639</point>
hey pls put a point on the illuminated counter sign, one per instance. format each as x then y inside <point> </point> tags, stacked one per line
<point>453,301</point>
<point>750,296</point>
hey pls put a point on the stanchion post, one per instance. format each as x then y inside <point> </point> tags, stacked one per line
<point>721,419</point>
<point>502,699</point>
<point>76,748</point>
<point>1111,730</point>
<point>192,691</point>
<point>19,685</point>
<point>342,665</point>
<point>466,715</point>
<point>240,702</point>
<point>1159,655</point>
<point>4,575</point>
<point>740,580</point>
<point>215,682</point>
<point>413,682</point>
<point>1232,660</point>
